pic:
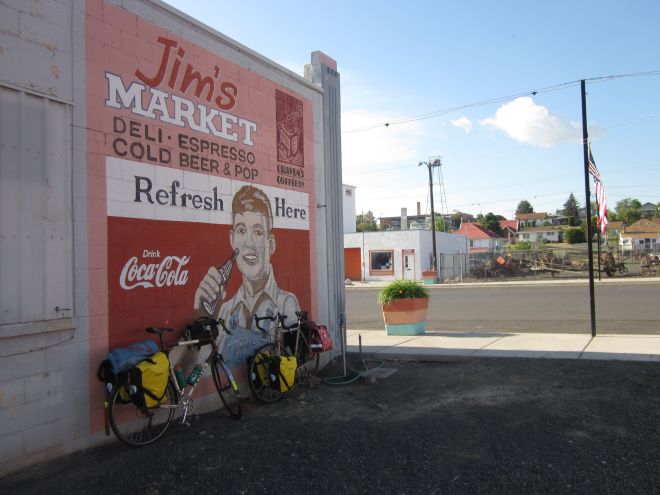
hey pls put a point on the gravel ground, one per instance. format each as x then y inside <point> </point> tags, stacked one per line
<point>458,426</point>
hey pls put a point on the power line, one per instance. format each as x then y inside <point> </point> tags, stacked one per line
<point>556,87</point>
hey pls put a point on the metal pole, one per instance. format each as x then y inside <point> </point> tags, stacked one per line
<point>364,264</point>
<point>434,266</point>
<point>585,146</point>
<point>598,237</point>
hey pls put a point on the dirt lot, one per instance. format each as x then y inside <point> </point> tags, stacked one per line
<point>460,426</point>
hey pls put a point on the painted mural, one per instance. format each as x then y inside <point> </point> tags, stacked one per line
<point>200,181</point>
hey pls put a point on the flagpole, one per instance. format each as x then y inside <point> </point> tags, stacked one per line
<point>598,234</point>
<point>585,146</point>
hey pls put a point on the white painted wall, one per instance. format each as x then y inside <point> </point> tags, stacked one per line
<point>46,351</point>
<point>418,240</point>
<point>348,195</point>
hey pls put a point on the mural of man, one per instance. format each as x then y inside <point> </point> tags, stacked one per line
<point>259,294</point>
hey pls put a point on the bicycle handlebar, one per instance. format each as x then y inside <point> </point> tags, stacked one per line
<point>221,322</point>
<point>162,330</point>
<point>278,317</point>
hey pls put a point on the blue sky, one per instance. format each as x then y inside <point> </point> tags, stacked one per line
<point>401,60</point>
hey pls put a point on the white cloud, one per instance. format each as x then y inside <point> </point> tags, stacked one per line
<point>382,162</point>
<point>379,147</point>
<point>527,122</point>
<point>462,123</point>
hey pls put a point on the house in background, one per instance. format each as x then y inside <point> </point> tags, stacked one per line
<point>480,239</point>
<point>509,230</point>
<point>531,219</point>
<point>541,234</point>
<point>648,210</point>
<point>642,236</point>
<point>558,219</point>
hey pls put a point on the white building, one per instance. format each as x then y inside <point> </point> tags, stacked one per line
<point>348,203</point>
<point>403,254</point>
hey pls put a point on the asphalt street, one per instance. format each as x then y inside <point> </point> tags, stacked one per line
<point>621,308</point>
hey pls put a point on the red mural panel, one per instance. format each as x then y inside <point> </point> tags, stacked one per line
<point>191,158</point>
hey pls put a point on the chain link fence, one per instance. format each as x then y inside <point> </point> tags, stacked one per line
<point>550,262</point>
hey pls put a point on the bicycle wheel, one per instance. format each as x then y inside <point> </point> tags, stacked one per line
<point>226,386</point>
<point>258,374</point>
<point>304,355</point>
<point>137,427</point>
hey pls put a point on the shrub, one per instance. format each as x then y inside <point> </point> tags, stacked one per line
<point>523,246</point>
<point>402,289</point>
<point>574,236</point>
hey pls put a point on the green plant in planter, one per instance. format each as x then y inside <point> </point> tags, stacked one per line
<point>405,304</point>
<point>402,289</point>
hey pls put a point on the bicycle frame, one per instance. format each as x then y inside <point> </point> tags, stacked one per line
<point>184,394</point>
<point>276,348</point>
<point>281,329</point>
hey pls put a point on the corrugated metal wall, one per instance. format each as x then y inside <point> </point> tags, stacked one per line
<point>35,208</point>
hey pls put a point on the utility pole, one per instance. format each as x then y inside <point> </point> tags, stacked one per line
<point>430,164</point>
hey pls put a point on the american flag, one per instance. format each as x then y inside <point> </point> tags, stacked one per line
<point>593,170</point>
<point>601,202</point>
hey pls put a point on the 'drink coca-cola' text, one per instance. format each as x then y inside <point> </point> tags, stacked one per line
<point>168,272</point>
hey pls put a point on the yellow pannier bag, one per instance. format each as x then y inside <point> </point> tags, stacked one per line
<point>147,380</point>
<point>287,372</point>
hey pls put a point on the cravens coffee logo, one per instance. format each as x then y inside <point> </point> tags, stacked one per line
<point>166,272</point>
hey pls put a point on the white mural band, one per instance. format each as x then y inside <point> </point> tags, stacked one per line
<point>154,192</point>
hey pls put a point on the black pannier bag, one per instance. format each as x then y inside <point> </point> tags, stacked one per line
<point>204,330</point>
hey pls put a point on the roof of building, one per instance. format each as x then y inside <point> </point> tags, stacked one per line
<point>641,235</point>
<point>474,230</point>
<point>644,225</point>
<point>615,225</point>
<point>531,216</point>
<point>511,224</point>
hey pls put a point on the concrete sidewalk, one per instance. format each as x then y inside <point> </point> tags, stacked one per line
<point>437,345</point>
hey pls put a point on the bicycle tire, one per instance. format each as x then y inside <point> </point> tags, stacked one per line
<point>304,356</point>
<point>226,386</point>
<point>137,427</point>
<point>258,368</point>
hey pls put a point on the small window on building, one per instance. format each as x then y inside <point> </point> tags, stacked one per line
<point>471,243</point>
<point>349,192</point>
<point>380,262</point>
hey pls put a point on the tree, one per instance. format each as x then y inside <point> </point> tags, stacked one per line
<point>574,236</point>
<point>524,207</point>
<point>628,210</point>
<point>440,225</point>
<point>594,228</point>
<point>456,219</point>
<point>365,222</point>
<point>572,210</point>
<point>490,222</point>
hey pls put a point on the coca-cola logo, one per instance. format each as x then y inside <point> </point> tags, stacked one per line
<point>168,272</point>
